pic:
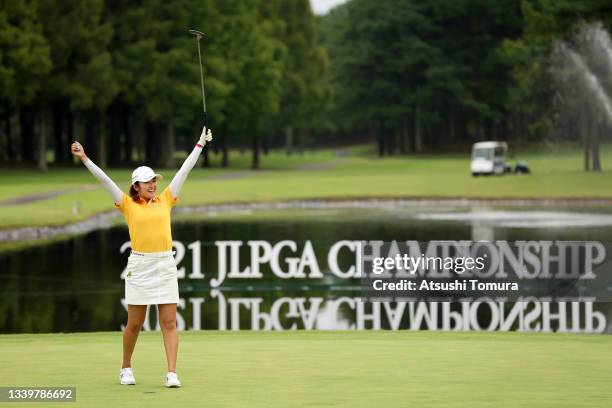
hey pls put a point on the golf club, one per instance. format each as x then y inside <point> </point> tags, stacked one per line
<point>199,35</point>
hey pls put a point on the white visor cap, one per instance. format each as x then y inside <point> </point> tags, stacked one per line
<point>144,174</point>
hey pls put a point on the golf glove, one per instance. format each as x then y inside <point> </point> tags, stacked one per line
<point>206,136</point>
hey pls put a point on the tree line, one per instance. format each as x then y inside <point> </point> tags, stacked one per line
<point>423,74</point>
<point>123,76</point>
<point>434,74</point>
<point>545,109</point>
<point>414,75</point>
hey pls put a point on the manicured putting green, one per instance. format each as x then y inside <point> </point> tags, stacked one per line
<point>356,369</point>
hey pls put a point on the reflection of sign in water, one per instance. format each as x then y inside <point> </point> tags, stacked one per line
<point>220,306</point>
<point>351,313</point>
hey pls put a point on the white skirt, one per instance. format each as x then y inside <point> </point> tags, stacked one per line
<point>151,279</point>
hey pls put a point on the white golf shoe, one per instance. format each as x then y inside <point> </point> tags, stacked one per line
<point>126,376</point>
<point>172,380</point>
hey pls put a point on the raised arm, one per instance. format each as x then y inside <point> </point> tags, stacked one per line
<point>109,185</point>
<point>177,182</point>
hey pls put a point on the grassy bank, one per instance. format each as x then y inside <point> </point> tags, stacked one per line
<point>357,369</point>
<point>557,173</point>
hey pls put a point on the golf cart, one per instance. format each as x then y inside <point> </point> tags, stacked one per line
<point>489,158</point>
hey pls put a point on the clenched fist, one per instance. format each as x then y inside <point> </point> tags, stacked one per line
<point>78,151</point>
<point>205,137</point>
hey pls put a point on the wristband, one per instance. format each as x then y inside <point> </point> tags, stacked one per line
<point>199,145</point>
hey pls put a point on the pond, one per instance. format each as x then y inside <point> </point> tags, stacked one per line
<point>287,269</point>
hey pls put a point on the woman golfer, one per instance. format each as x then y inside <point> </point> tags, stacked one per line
<point>151,277</point>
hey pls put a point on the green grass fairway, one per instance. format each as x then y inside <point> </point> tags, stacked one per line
<point>356,173</point>
<point>291,369</point>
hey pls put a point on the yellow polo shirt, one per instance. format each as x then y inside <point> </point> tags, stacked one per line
<point>149,222</point>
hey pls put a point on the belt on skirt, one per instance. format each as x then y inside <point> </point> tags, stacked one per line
<point>154,254</point>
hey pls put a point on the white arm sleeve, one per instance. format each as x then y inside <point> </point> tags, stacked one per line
<point>108,184</point>
<point>177,182</point>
